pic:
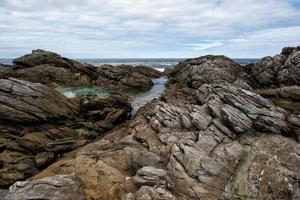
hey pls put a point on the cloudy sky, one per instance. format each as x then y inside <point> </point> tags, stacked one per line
<point>149,28</point>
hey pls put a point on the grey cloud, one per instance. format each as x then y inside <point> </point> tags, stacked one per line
<point>79,27</point>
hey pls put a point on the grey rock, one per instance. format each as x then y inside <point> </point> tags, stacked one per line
<point>206,69</point>
<point>150,193</point>
<point>151,176</point>
<point>43,159</point>
<point>53,188</point>
<point>146,158</point>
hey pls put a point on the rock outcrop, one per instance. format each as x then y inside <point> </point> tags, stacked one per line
<point>38,125</point>
<point>54,70</point>
<point>282,69</point>
<point>215,133</point>
<point>67,187</point>
<point>125,76</point>
<point>209,136</point>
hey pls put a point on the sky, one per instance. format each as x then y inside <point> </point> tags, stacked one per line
<point>149,28</point>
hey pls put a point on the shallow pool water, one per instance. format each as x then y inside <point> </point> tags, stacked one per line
<point>139,97</point>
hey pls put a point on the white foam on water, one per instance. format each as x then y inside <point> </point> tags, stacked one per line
<point>69,94</point>
<point>159,69</point>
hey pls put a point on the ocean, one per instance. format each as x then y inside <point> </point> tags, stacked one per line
<point>138,97</point>
<point>152,62</point>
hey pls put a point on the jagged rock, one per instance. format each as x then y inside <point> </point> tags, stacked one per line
<point>124,76</point>
<point>146,158</point>
<point>148,71</point>
<point>46,74</point>
<point>207,137</point>
<point>37,125</point>
<point>282,69</point>
<point>54,70</point>
<point>151,176</point>
<point>205,69</point>
<point>24,102</point>
<point>264,115</point>
<point>40,57</point>
<point>149,193</point>
<point>58,187</point>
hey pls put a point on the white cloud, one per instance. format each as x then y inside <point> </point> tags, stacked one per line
<point>116,28</point>
<point>261,43</point>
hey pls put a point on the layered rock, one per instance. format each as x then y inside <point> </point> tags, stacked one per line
<point>125,76</point>
<point>209,136</point>
<point>54,70</point>
<point>282,69</point>
<point>38,125</point>
<point>205,138</point>
<point>207,69</point>
<point>58,187</point>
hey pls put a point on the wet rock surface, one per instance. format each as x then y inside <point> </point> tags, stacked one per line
<point>215,133</point>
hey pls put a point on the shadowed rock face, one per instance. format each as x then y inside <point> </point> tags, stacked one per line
<point>54,70</point>
<point>125,76</point>
<point>38,125</point>
<point>205,138</point>
<point>282,69</point>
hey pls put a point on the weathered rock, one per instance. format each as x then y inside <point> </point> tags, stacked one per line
<point>58,187</point>
<point>37,125</point>
<point>148,71</point>
<point>46,74</point>
<point>125,76</point>
<point>151,176</point>
<point>207,137</point>
<point>146,158</point>
<point>24,102</point>
<point>282,69</point>
<point>54,70</point>
<point>206,69</point>
<point>150,193</point>
<point>44,159</point>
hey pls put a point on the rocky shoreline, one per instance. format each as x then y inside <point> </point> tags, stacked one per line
<point>219,131</point>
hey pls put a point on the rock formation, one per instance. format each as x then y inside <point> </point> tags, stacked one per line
<point>216,133</point>
<point>38,125</point>
<point>67,187</point>
<point>54,70</point>
<point>124,76</point>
